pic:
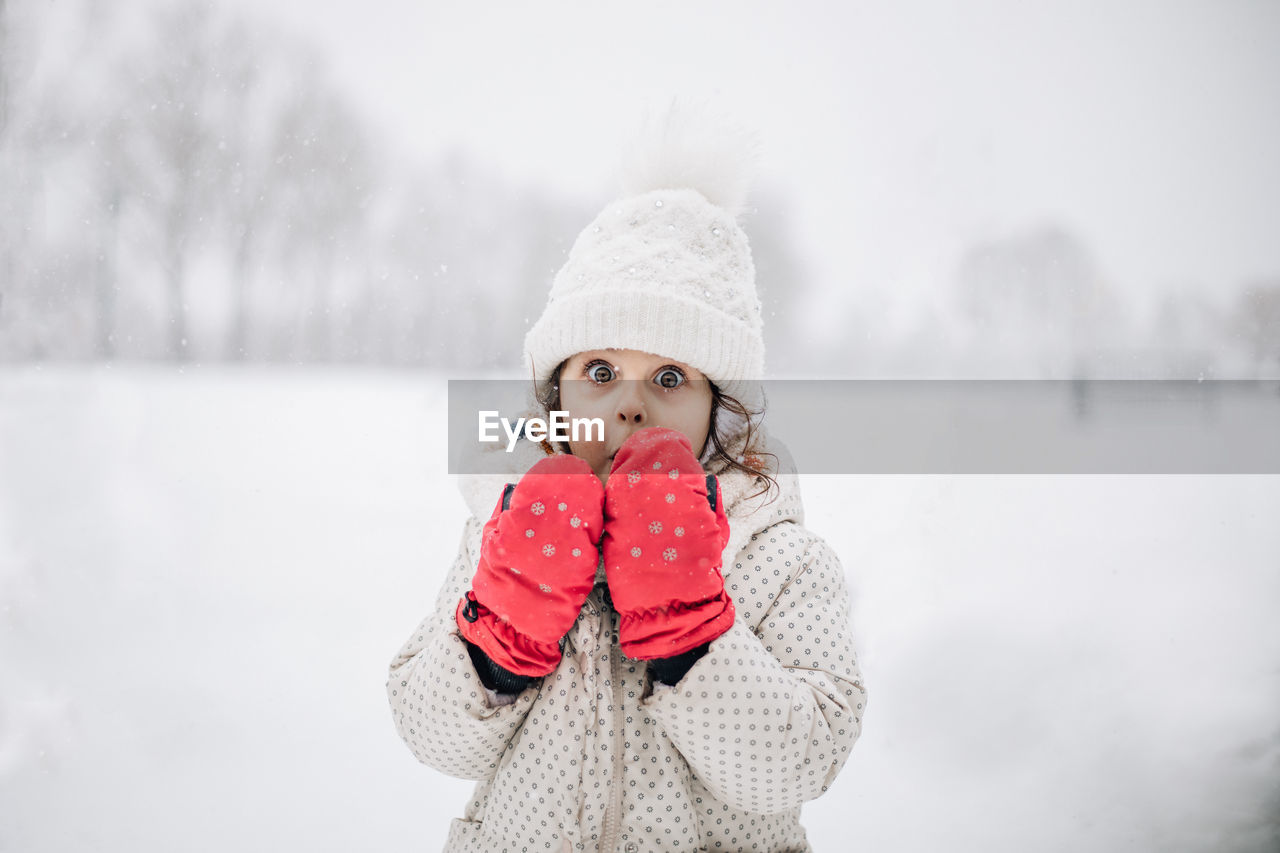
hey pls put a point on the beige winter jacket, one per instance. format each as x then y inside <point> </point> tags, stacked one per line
<point>595,757</point>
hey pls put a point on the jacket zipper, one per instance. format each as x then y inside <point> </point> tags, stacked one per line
<point>613,817</point>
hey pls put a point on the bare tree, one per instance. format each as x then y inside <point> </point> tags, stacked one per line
<point>5,41</point>
<point>322,182</point>
<point>8,172</point>
<point>1255,323</point>
<point>247,164</point>
<point>44,291</point>
<point>169,146</point>
<point>1040,298</point>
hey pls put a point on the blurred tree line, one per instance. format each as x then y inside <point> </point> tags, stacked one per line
<point>185,186</point>
<point>192,189</point>
<point>1041,293</point>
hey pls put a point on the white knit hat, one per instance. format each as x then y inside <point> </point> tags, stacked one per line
<point>666,269</point>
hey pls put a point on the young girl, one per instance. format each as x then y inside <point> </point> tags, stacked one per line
<point>639,645</point>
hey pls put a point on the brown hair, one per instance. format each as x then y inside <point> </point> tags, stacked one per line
<point>751,462</point>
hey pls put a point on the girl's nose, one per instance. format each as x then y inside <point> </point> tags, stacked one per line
<point>630,408</point>
<point>631,414</point>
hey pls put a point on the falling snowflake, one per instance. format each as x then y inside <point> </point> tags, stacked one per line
<point>633,477</point>
<point>669,554</point>
<point>635,551</point>
<point>673,473</point>
<point>544,587</point>
<point>679,531</point>
<point>577,552</point>
<point>655,527</point>
<point>562,506</point>
<point>670,498</point>
<point>537,508</point>
<point>529,533</point>
<point>548,549</point>
<point>575,521</point>
<point>657,464</point>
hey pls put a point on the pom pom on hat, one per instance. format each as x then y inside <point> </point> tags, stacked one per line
<point>665,269</point>
<point>686,149</point>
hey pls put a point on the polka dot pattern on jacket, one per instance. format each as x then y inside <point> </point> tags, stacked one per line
<point>595,756</point>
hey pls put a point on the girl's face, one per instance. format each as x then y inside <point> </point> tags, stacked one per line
<point>631,390</point>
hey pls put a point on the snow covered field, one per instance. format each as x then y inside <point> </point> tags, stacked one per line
<point>205,572</point>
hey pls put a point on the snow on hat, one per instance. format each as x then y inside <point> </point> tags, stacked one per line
<point>665,269</point>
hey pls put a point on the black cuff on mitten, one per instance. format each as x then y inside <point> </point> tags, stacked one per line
<point>493,676</point>
<point>671,670</point>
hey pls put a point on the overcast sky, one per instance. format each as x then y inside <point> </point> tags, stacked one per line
<point>902,132</point>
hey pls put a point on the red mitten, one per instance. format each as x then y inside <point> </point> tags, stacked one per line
<point>537,565</point>
<point>662,546</point>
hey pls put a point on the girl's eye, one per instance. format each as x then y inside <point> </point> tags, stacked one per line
<point>669,377</point>
<point>600,372</point>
